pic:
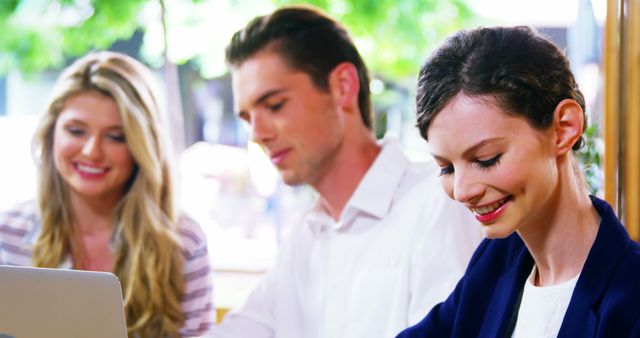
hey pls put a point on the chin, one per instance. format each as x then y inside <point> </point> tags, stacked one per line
<point>495,231</point>
<point>292,179</point>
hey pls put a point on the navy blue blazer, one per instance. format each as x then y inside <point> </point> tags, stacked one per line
<point>605,301</point>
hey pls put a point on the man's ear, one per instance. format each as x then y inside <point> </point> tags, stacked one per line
<point>344,85</point>
<point>568,122</point>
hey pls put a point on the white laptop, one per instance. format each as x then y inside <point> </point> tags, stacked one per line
<point>56,303</point>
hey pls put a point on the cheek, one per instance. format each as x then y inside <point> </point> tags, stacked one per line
<point>516,175</point>
<point>535,170</point>
<point>509,178</point>
<point>121,155</point>
<point>509,181</point>
<point>546,173</point>
<point>64,147</point>
<point>123,158</point>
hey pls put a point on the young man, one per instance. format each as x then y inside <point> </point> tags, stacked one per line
<point>383,243</point>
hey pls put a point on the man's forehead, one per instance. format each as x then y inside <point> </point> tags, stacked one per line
<point>262,73</point>
<point>248,88</point>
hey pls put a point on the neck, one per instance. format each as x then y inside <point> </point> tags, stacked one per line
<point>92,231</point>
<point>560,240</point>
<point>91,216</point>
<point>352,161</point>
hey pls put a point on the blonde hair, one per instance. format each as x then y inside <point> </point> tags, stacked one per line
<point>148,255</point>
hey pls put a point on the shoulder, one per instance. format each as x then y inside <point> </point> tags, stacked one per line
<point>20,220</point>
<point>422,173</point>
<point>421,191</point>
<point>19,227</point>
<point>420,183</point>
<point>415,183</point>
<point>191,233</point>
<point>615,260</point>
<point>626,277</point>
<point>632,257</point>
<point>618,309</point>
<point>194,251</point>
<point>431,216</point>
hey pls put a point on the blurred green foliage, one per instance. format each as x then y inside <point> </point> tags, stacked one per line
<point>589,158</point>
<point>40,34</point>
<point>394,35</point>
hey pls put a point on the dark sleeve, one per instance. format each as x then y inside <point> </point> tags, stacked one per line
<point>635,333</point>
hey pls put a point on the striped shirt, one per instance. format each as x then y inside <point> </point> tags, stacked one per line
<point>20,227</point>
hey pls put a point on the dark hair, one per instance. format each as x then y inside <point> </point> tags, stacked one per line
<point>523,71</point>
<point>309,41</point>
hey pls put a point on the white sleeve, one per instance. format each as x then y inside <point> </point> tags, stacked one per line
<point>444,242</point>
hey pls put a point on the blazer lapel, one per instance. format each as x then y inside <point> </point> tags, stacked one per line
<point>580,319</point>
<point>502,308</point>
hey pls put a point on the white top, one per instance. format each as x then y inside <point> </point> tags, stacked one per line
<point>398,249</point>
<point>542,309</point>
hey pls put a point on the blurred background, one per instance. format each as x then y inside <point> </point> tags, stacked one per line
<point>227,183</point>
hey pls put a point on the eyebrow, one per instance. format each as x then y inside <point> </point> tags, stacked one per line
<point>83,123</point>
<point>265,97</point>
<point>472,149</point>
<point>73,120</point>
<point>481,144</point>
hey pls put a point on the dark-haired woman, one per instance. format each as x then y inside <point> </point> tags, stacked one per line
<point>504,116</point>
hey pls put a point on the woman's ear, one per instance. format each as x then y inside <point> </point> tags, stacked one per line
<point>344,85</point>
<point>568,125</point>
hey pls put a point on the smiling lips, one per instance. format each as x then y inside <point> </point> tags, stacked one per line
<point>490,212</point>
<point>90,171</point>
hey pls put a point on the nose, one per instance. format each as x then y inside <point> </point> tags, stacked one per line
<point>466,188</point>
<point>262,128</point>
<point>92,148</point>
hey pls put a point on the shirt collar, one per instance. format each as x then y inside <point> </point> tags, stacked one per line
<point>374,195</point>
<point>376,191</point>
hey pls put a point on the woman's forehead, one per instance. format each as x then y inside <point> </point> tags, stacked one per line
<point>466,121</point>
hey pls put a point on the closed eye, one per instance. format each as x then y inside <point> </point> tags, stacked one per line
<point>486,164</point>
<point>117,137</point>
<point>446,170</point>
<point>75,131</point>
<point>275,107</point>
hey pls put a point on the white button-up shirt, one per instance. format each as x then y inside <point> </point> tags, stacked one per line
<point>398,249</point>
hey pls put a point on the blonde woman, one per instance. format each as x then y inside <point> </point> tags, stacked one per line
<point>105,199</point>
